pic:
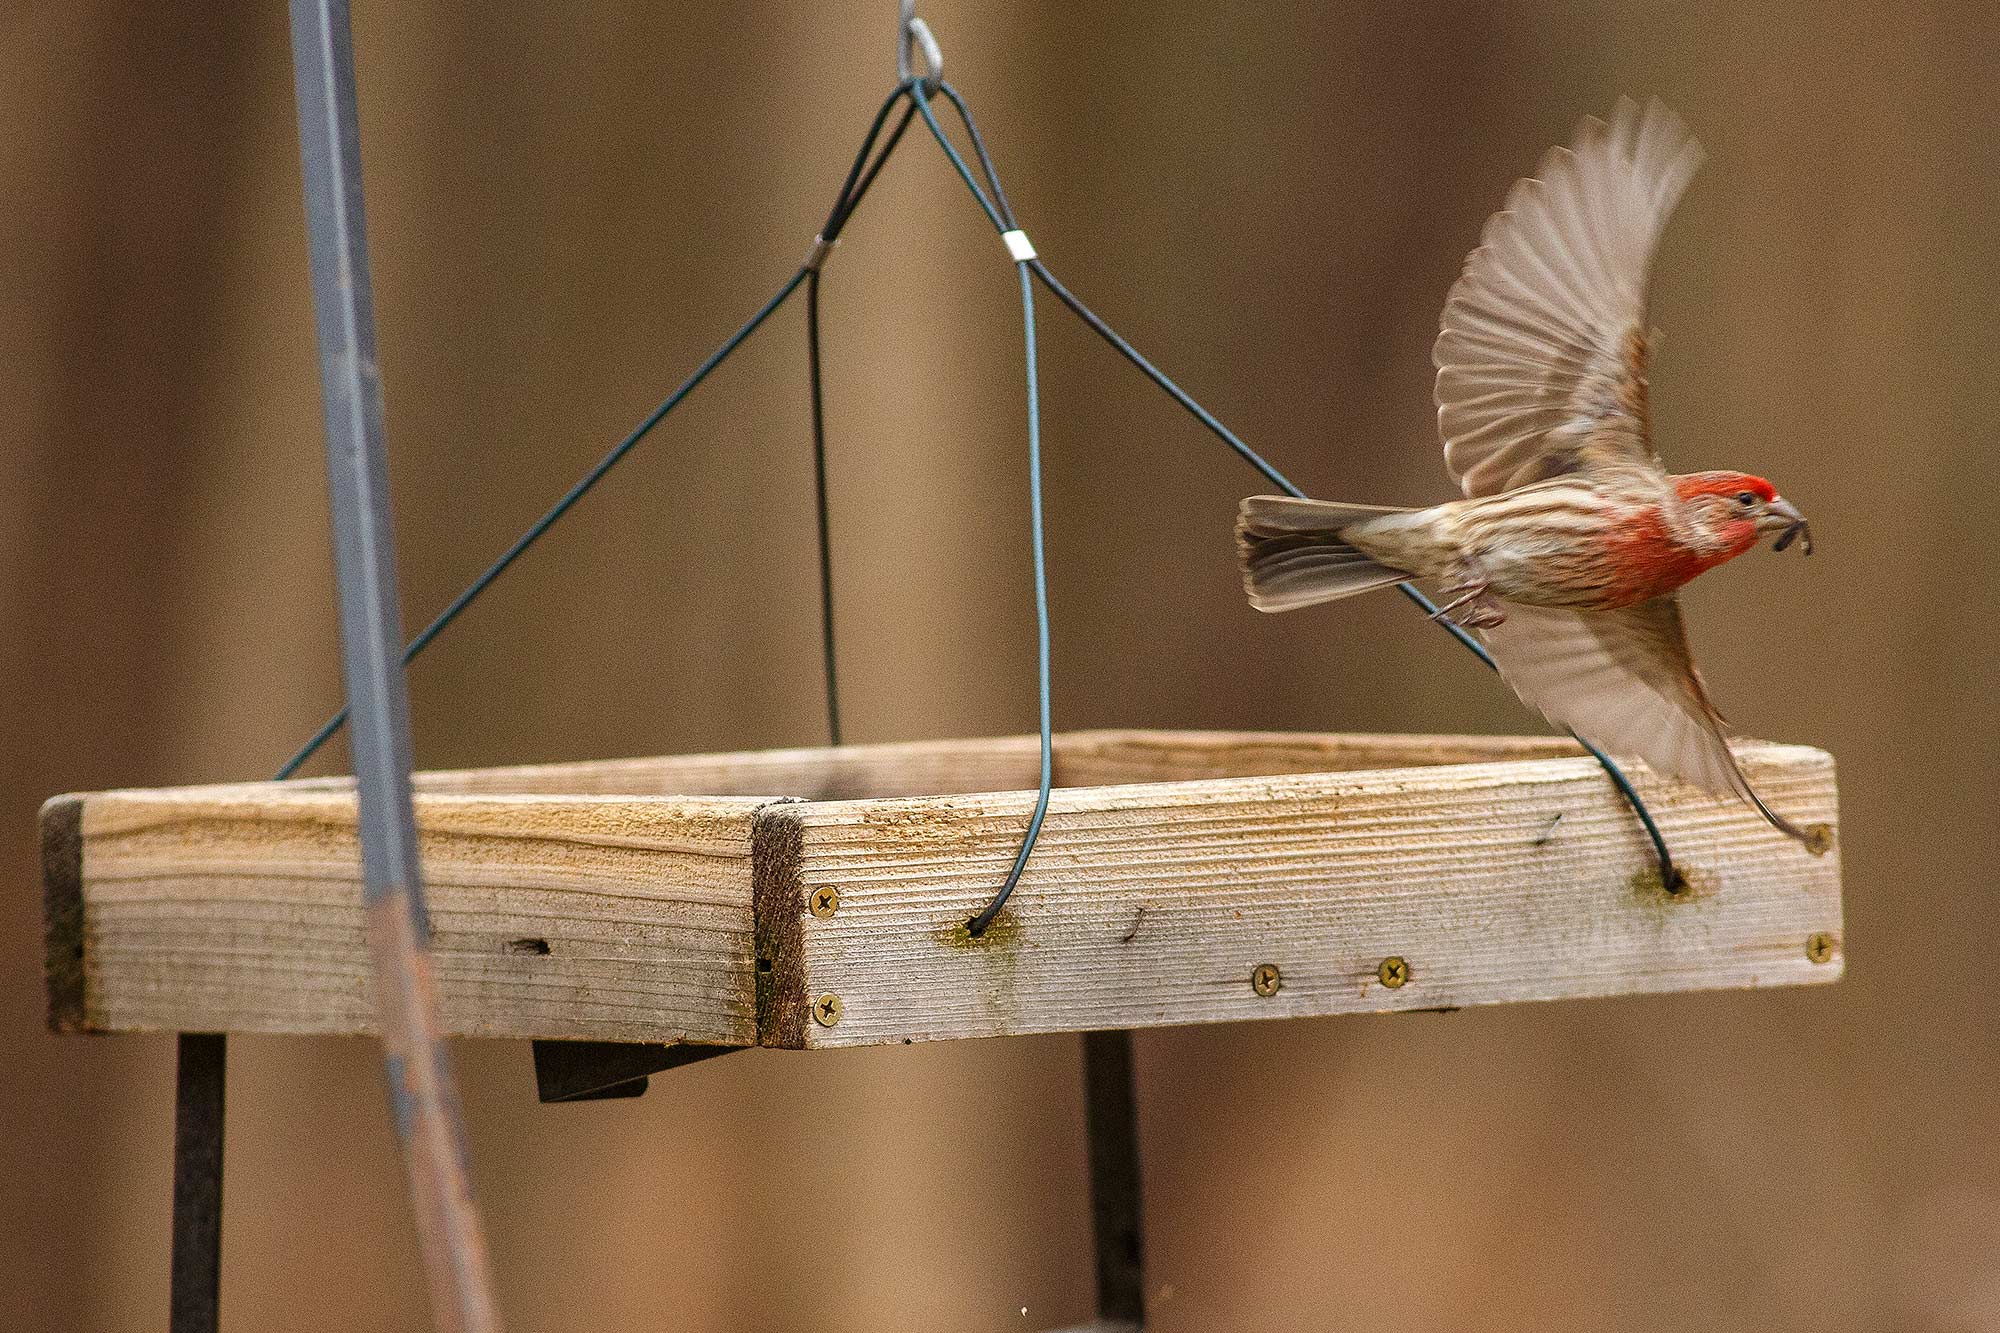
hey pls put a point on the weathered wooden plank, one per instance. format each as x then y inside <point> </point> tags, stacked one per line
<point>1111,758</point>
<point>239,909</point>
<point>999,763</point>
<point>1146,905</point>
<point>583,901</point>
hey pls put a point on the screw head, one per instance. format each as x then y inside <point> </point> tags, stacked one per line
<point>826,1010</point>
<point>1819,947</point>
<point>1266,980</point>
<point>824,902</point>
<point>1394,971</point>
<point>1819,839</point>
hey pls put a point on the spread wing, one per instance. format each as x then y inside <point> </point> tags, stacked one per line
<point>1542,351</point>
<point>1626,681</point>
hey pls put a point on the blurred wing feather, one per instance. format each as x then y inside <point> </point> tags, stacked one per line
<point>1624,680</point>
<point>1542,348</point>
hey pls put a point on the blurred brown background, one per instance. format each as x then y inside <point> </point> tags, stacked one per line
<point>570,206</point>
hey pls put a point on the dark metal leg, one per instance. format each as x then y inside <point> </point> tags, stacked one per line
<point>199,1084</point>
<point>1111,1115</point>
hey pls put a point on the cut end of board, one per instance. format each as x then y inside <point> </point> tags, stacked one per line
<point>62,912</point>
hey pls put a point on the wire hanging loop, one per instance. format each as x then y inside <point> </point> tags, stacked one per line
<point>912,31</point>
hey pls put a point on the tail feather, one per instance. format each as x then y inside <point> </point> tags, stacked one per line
<point>1293,555</point>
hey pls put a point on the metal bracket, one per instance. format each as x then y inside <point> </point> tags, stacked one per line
<point>589,1071</point>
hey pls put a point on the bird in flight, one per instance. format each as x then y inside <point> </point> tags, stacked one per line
<point>1572,537</point>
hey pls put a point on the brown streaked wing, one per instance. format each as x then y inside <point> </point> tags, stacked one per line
<point>1626,681</point>
<point>1542,347</point>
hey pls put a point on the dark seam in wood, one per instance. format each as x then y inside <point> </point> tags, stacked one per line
<point>777,842</point>
<point>62,912</point>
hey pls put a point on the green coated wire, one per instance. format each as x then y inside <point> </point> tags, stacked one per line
<point>977,926</point>
<point>554,515</point>
<point>859,178</point>
<point>829,662</point>
<point>1001,215</point>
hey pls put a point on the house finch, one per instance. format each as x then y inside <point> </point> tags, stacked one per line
<point>1565,554</point>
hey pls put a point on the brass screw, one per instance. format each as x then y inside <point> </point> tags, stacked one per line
<point>1265,979</point>
<point>825,902</point>
<point>1819,947</point>
<point>826,1010</point>
<point>1819,839</point>
<point>1394,971</point>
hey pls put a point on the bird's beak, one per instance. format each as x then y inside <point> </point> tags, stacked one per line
<point>1791,525</point>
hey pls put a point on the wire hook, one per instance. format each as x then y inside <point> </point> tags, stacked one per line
<point>911,30</point>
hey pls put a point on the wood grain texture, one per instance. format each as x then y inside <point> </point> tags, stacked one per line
<point>1148,905</point>
<point>996,763</point>
<point>239,909</point>
<point>587,901</point>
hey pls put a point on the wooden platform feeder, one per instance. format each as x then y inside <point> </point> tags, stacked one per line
<point>819,898</point>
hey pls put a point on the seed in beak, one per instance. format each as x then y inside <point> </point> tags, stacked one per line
<point>1797,529</point>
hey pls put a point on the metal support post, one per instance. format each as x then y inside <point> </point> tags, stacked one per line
<point>1111,1115</point>
<point>421,1088</point>
<point>200,1081</point>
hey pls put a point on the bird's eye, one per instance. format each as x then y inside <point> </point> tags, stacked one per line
<point>1748,499</point>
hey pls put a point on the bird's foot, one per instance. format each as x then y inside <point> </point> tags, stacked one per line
<point>1471,608</point>
<point>1483,613</point>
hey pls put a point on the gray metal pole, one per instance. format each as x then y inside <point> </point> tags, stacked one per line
<point>419,1070</point>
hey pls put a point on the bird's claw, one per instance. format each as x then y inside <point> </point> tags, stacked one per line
<point>1472,608</point>
<point>1486,613</point>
